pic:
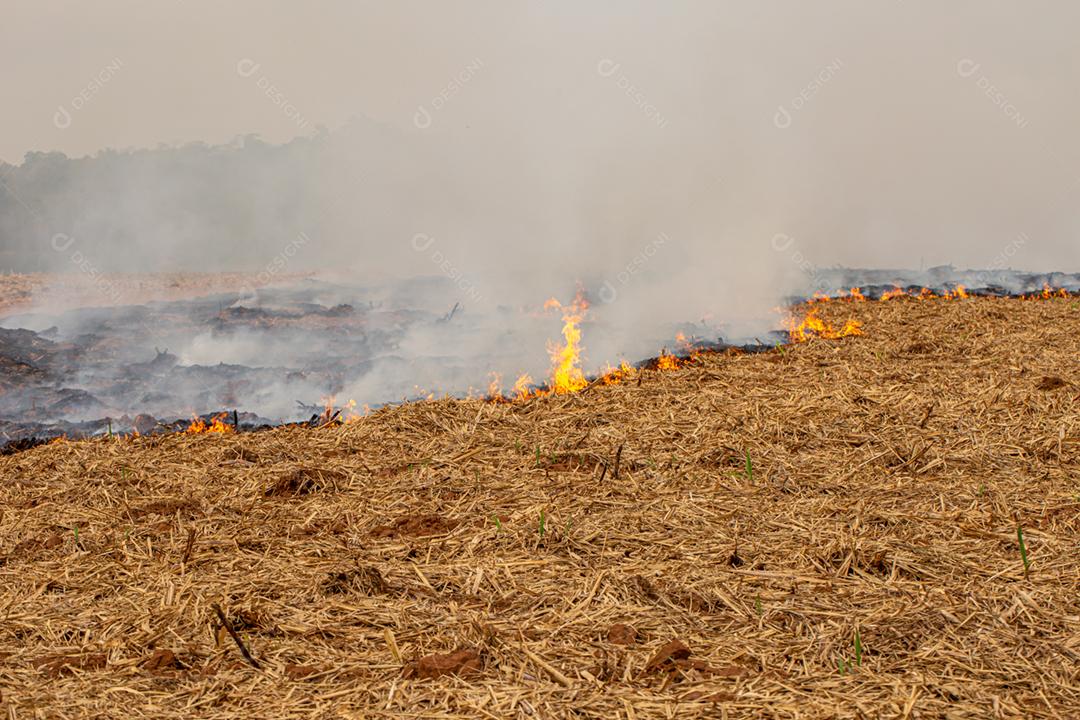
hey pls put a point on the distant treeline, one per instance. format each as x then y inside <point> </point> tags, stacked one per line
<point>167,208</point>
<point>195,206</point>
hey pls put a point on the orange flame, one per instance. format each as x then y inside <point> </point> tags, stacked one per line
<point>566,374</point>
<point>199,426</point>
<point>890,294</point>
<point>813,326</point>
<point>1048,293</point>
<point>667,362</point>
<point>686,345</point>
<point>521,387</point>
<point>349,414</point>
<point>614,376</point>
<point>958,293</point>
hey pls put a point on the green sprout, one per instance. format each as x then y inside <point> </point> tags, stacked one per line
<point>1023,549</point>
<point>749,468</point>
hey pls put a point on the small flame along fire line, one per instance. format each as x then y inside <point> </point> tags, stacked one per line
<point>567,376</point>
<point>812,325</point>
<point>199,426</point>
<point>959,292</point>
<point>566,373</point>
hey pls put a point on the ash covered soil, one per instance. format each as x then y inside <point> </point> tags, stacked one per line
<point>824,530</point>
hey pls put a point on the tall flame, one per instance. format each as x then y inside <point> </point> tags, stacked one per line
<point>566,374</point>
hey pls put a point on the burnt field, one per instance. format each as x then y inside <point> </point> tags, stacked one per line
<point>882,524</point>
<point>186,349</point>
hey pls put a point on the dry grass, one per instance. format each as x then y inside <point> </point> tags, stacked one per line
<point>888,474</point>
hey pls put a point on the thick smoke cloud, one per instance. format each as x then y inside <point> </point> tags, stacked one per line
<point>684,161</point>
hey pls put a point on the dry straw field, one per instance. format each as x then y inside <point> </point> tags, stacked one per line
<point>824,530</point>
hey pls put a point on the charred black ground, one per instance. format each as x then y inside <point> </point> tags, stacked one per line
<point>155,366</point>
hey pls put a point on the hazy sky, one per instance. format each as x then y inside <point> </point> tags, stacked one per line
<point>870,133</point>
<point>179,82</point>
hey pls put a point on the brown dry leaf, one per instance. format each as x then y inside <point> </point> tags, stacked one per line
<point>459,662</point>
<point>621,634</point>
<point>161,659</point>
<point>300,672</point>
